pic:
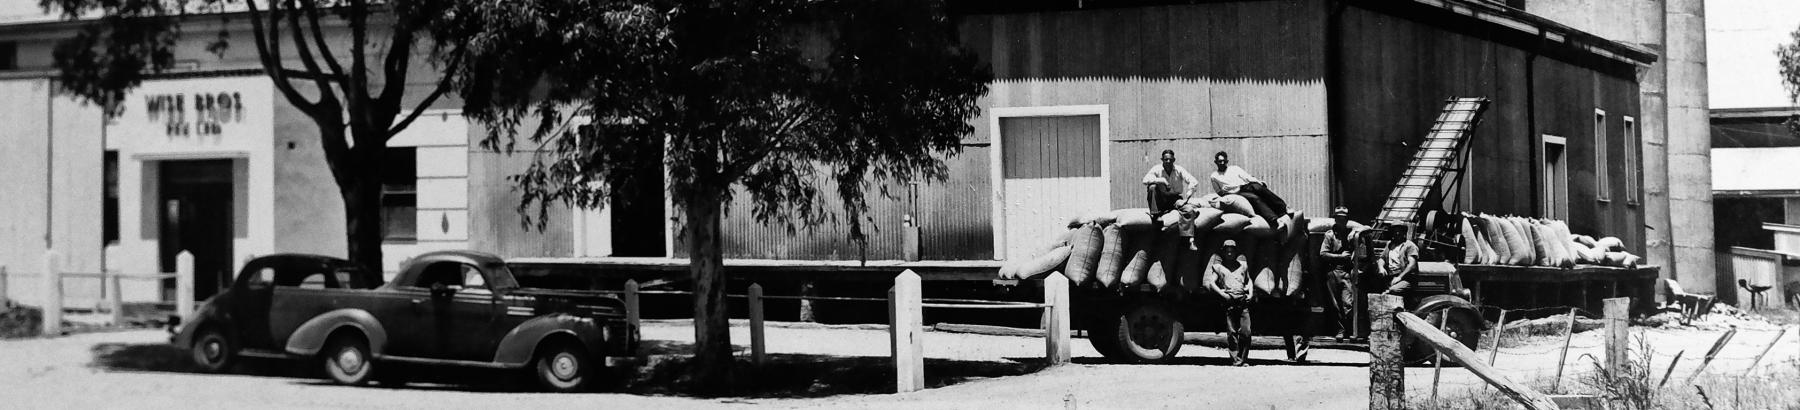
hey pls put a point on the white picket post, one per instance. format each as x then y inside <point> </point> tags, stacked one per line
<point>184,285</point>
<point>1056,323</point>
<point>906,329</point>
<point>115,300</point>
<point>53,295</point>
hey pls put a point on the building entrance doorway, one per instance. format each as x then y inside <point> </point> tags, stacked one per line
<point>194,208</point>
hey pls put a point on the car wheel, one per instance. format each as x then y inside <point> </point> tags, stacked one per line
<point>213,351</point>
<point>1460,324</point>
<point>1148,332</point>
<point>347,361</point>
<point>562,368</point>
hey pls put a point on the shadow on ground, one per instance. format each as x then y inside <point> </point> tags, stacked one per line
<point>664,372</point>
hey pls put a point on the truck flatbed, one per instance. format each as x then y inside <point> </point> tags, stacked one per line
<point>652,268</point>
<point>1583,286</point>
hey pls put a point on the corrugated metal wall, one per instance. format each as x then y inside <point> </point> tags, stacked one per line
<point>953,218</point>
<point>1396,74</point>
<point>494,220</point>
<point>1243,76</point>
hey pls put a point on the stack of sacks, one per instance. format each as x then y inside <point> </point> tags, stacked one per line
<point>1123,248</point>
<point>1517,241</point>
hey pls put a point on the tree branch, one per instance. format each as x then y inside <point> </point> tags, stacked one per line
<point>313,17</point>
<point>271,62</point>
<point>442,87</point>
<point>306,56</point>
<point>394,67</point>
<point>357,93</point>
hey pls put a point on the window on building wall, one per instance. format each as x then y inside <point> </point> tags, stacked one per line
<point>1634,174</point>
<point>400,194</point>
<point>9,55</point>
<point>110,205</point>
<point>1602,181</point>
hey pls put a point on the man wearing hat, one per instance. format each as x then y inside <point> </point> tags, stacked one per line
<point>1227,276</point>
<point>1340,267</point>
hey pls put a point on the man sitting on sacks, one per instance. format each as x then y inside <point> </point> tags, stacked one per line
<point>1227,275</point>
<point>1400,261</point>
<point>1230,179</point>
<point>1168,184</point>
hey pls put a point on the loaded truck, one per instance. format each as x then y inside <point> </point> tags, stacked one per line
<point>1137,283</point>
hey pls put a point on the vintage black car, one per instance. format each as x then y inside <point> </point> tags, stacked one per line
<point>456,308</point>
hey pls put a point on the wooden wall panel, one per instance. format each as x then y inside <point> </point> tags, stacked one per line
<point>495,225</point>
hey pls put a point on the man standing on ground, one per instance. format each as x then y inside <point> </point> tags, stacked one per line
<point>1227,276</point>
<point>1340,272</point>
<point>1168,183</point>
<point>1230,179</point>
<point>1400,261</point>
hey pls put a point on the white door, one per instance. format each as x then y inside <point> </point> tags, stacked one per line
<point>1052,168</point>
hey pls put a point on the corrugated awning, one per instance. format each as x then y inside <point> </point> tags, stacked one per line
<point>1755,171</point>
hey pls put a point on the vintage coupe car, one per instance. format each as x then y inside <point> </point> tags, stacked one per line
<point>455,308</point>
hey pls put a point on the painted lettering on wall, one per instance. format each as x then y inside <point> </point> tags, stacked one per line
<point>197,114</point>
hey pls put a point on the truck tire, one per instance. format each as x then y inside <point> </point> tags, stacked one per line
<point>1460,321</point>
<point>1146,332</point>
<point>347,361</point>
<point>212,351</point>
<point>562,367</point>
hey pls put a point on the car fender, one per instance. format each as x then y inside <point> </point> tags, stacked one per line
<point>520,344</point>
<point>311,336</point>
<point>206,315</point>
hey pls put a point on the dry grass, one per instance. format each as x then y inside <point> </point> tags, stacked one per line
<point>1639,386</point>
<point>20,321</point>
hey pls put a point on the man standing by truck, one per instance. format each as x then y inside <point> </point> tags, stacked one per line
<point>1226,276</point>
<point>1340,271</point>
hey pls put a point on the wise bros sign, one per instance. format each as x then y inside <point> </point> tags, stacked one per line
<point>195,114</point>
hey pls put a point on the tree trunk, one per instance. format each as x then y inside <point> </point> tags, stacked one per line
<point>362,209</point>
<point>712,326</point>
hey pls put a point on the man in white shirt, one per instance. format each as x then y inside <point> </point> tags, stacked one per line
<point>1168,183</point>
<point>1230,179</point>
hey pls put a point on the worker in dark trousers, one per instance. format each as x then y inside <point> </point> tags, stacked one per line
<point>1227,276</point>
<point>1230,179</point>
<point>1335,255</point>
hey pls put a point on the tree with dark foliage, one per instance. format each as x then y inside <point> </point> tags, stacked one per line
<point>775,99</point>
<point>355,96</point>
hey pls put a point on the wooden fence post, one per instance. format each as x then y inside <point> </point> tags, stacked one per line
<point>633,313</point>
<point>53,295</point>
<point>756,324</point>
<point>1710,354</point>
<point>115,299</point>
<point>1056,327</point>
<point>1618,315</point>
<point>184,285</point>
<point>1442,343</point>
<point>1568,336</point>
<point>905,328</point>
<point>1387,365</point>
<point>1765,351</point>
<point>4,300</point>
<point>1499,330</point>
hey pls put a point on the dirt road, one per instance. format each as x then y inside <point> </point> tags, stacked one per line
<point>127,370</point>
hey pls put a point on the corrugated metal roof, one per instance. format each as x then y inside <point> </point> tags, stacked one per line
<point>1740,171</point>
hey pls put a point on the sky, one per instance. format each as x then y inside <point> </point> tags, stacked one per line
<point>1740,50</point>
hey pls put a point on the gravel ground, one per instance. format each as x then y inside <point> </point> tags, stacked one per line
<point>131,369</point>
